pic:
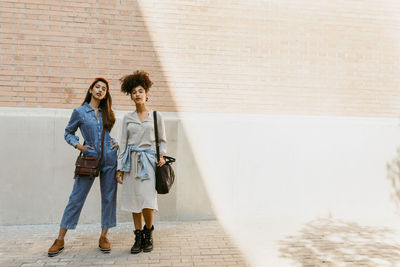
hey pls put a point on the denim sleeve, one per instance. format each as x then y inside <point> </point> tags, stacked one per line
<point>71,128</point>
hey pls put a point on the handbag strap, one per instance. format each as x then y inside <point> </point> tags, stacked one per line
<point>156,134</point>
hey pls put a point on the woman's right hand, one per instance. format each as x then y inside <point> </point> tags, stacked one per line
<point>83,148</point>
<point>120,177</point>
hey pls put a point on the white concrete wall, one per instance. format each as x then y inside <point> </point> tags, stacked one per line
<point>297,167</point>
<point>228,166</point>
<point>37,168</point>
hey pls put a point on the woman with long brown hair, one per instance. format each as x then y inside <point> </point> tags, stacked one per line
<point>91,117</point>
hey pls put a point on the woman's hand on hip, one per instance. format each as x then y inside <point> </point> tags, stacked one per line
<point>83,148</point>
<point>120,177</point>
<point>115,145</point>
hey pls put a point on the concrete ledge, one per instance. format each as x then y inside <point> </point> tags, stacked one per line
<point>37,169</point>
<point>228,166</point>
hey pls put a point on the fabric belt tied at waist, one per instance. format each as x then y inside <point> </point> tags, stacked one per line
<point>144,153</point>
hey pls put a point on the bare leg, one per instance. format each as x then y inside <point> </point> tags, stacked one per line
<point>137,220</point>
<point>148,215</point>
<point>62,233</point>
<point>104,232</point>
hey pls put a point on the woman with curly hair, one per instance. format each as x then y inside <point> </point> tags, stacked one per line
<point>91,117</point>
<point>137,159</point>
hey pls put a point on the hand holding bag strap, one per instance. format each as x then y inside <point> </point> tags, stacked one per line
<point>156,134</point>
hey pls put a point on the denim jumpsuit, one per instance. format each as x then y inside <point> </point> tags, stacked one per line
<point>84,117</point>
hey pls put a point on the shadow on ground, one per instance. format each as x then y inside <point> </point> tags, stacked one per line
<point>329,242</point>
<point>393,175</point>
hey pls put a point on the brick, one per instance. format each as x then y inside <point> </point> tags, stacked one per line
<point>212,56</point>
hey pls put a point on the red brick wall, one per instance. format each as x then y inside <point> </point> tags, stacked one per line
<point>274,57</point>
<point>52,50</point>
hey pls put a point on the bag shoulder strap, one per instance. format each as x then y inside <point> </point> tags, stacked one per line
<point>156,134</point>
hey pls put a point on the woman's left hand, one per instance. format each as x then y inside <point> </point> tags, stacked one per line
<point>162,161</point>
<point>115,145</point>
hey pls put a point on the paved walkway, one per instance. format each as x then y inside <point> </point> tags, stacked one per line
<point>176,244</point>
<point>318,242</point>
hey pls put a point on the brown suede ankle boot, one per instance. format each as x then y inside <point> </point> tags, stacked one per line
<point>56,248</point>
<point>104,244</point>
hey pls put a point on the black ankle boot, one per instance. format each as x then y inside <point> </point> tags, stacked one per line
<point>137,247</point>
<point>148,239</point>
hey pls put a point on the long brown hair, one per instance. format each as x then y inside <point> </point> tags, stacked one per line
<point>105,104</point>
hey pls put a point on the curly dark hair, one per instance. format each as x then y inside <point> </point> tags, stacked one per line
<point>131,81</point>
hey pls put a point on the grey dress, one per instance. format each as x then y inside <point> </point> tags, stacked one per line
<point>138,194</point>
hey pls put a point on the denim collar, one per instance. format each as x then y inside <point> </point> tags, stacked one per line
<point>89,108</point>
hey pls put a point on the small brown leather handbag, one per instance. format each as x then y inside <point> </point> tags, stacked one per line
<point>89,166</point>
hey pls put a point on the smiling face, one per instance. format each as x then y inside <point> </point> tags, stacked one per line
<point>139,95</point>
<point>99,90</point>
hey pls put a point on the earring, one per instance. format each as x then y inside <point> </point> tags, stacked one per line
<point>147,98</point>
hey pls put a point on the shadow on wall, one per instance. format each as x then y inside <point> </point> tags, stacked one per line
<point>141,54</point>
<point>189,199</point>
<point>393,175</point>
<point>50,171</point>
<point>335,242</point>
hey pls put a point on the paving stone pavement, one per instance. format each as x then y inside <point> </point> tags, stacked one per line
<point>264,243</point>
<point>202,243</point>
